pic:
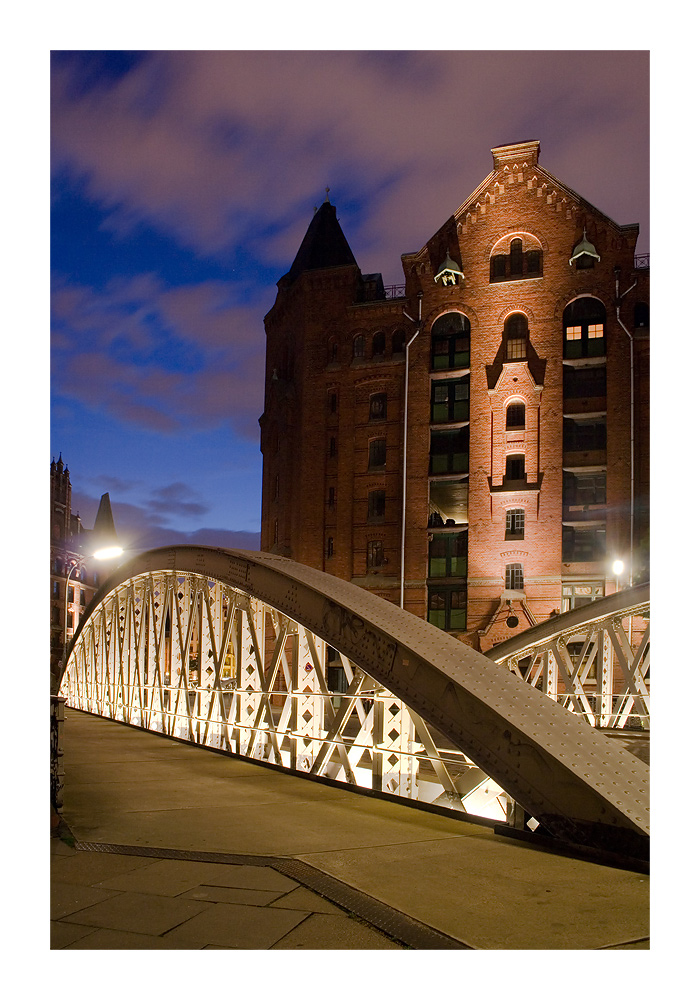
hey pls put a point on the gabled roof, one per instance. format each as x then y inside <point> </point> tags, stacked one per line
<point>324,244</point>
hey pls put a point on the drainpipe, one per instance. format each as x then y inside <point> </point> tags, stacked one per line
<point>618,300</point>
<point>417,324</point>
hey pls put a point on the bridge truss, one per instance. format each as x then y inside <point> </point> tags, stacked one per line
<point>257,656</point>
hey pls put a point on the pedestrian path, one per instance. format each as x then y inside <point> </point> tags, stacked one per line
<point>164,845</point>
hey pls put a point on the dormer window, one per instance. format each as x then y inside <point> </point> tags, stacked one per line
<point>448,272</point>
<point>584,255</point>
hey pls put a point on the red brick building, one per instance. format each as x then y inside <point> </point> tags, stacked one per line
<point>534,323</point>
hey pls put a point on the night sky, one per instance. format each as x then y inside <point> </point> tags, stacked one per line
<point>182,184</point>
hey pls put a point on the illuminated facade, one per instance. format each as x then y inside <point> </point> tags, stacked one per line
<point>527,464</point>
<point>74,575</point>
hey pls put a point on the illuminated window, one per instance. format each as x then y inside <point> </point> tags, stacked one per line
<point>515,523</point>
<point>584,328</point>
<point>576,594</point>
<point>514,576</point>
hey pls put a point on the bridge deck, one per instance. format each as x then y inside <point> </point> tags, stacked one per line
<point>307,851</point>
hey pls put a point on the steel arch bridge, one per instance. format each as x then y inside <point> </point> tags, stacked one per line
<point>256,655</point>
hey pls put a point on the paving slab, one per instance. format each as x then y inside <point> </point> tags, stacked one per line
<point>235,926</point>
<point>337,933</point>
<point>138,911</point>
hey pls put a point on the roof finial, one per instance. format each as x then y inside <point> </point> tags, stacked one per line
<point>328,191</point>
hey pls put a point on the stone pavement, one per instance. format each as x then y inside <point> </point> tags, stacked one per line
<point>163,845</point>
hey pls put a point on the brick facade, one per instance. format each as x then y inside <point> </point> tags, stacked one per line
<point>518,459</point>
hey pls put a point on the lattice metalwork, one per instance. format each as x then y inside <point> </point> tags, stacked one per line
<point>594,661</point>
<point>191,657</point>
<point>260,656</point>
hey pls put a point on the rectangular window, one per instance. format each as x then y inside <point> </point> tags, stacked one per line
<point>377,453</point>
<point>375,554</point>
<point>516,348</point>
<point>377,406</point>
<point>583,544</point>
<point>331,496</point>
<point>515,523</point>
<point>576,594</point>
<point>515,416</point>
<point>581,489</point>
<point>332,402</point>
<point>449,451</point>
<point>329,546</point>
<point>55,589</point>
<point>71,595</point>
<point>447,609</point>
<point>82,598</point>
<point>447,554</point>
<point>375,506</point>
<point>450,401</point>
<point>585,435</point>
<point>515,468</point>
<point>580,383</point>
<point>514,576</point>
<point>595,330</point>
<point>573,333</point>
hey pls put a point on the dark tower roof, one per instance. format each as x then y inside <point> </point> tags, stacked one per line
<point>104,522</point>
<point>324,245</point>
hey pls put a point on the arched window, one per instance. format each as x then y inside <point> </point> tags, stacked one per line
<point>450,341</point>
<point>584,328</point>
<point>515,416</point>
<point>358,346</point>
<point>398,342</point>
<point>378,345</point>
<point>514,576</point>
<point>516,257</point>
<point>516,334</point>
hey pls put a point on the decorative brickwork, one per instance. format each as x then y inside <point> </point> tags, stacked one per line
<point>492,287</point>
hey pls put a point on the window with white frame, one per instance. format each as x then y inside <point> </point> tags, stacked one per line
<point>514,576</point>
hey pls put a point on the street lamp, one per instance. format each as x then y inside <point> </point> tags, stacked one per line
<point>617,568</point>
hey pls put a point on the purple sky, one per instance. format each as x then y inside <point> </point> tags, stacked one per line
<point>182,185</point>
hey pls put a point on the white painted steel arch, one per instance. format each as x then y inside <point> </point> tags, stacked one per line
<point>579,785</point>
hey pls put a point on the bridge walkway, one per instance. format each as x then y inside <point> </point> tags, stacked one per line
<point>166,845</point>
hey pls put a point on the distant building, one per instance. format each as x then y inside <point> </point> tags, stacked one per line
<point>72,547</point>
<point>520,487</point>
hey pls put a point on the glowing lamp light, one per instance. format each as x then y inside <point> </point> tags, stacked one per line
<point>110,552</point>
<point>617,567</point>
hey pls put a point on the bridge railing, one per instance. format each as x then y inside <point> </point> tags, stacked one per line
<point>594,661</point>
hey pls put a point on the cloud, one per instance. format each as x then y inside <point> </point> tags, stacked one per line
<point>176,499</point>
<point>167,359</point>
<point>236,147</point>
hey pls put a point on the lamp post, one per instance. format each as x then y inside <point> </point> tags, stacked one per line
<point>75,563</point>
<point>405,440</point>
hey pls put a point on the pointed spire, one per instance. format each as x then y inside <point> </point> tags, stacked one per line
<point>324,244</point>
